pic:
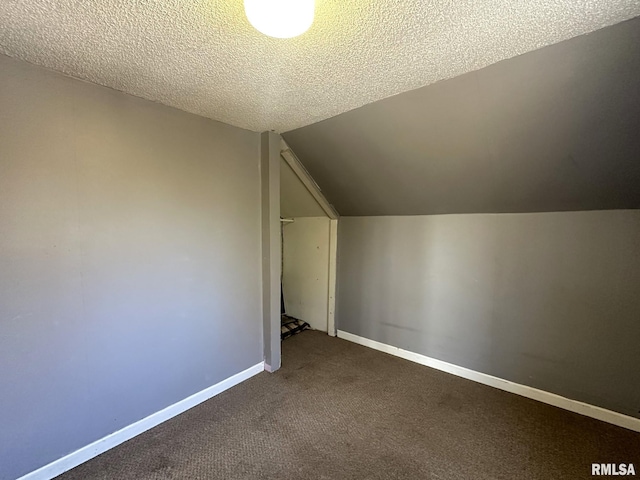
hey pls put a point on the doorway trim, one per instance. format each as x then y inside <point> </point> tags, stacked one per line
<point>270,242</point>
<point>307,180</point>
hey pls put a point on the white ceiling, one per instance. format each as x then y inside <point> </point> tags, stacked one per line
<point>202,56</point>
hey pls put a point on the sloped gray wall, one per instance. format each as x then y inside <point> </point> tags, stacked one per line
<point>556,129</point>
<point>129,261</point>
<point>295,199</point>
<point>549,300</point>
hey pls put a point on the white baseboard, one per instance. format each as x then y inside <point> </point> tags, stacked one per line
<point>94,449</point>
<point>582,408</point>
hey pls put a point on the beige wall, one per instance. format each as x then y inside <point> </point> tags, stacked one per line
<point>306,270</point>
<point>295,199</point>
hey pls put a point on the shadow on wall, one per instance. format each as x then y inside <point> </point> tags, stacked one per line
<point>549,300</point>
<point>551,130</point>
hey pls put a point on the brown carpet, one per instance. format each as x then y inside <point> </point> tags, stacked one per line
<point>337,410</point>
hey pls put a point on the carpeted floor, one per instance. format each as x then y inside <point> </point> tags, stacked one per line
<point>337,410</point>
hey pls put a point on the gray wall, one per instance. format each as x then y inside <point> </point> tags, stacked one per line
<point>295,199</point>
<point>556,129</point>
<point>271,248</point>
<point>550,300</point>
<point>129,260</point>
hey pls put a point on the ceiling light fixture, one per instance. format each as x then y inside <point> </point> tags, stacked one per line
<point>280,18</point>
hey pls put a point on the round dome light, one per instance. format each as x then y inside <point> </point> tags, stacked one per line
<point>280,18</point>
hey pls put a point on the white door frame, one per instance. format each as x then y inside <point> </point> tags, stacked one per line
<point>313,188</point>
<point>333,257</point>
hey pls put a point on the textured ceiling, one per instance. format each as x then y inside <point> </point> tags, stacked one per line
<point>202,55</point>
<point>551,130</point>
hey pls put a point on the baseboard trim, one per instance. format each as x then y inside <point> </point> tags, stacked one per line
<point>575,406</point>
<point>94,449</point>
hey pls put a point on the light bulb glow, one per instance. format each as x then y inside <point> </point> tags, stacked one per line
<point>280,18</point>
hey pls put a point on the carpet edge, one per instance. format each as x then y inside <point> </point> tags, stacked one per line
<point>543,396</point>
<point>86,453</point>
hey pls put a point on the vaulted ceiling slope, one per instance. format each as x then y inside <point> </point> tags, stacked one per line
<point>552,130</point>
<point>295,199</point>
<point>202,56</point>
